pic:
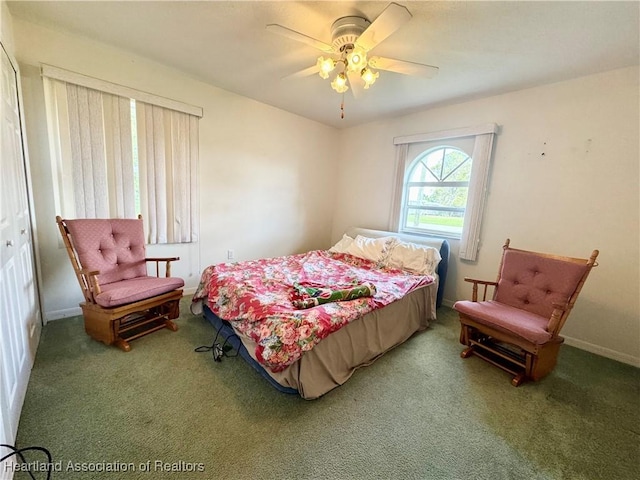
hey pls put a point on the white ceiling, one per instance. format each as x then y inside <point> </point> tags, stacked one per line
<point>482,48</point>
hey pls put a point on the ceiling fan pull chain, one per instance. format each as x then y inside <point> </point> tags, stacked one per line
<point>342,107</point>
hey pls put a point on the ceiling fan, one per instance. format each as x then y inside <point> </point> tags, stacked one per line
<point>352,38</point>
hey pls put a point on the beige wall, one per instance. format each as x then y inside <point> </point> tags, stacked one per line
<point>266,185</point>
<point>6,27</point>
<point>564,180</point>
<point>268,189</point>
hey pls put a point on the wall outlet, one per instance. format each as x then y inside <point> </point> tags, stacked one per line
<point>231,254</point>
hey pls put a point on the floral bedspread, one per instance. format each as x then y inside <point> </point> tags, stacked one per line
<point>255,296</point>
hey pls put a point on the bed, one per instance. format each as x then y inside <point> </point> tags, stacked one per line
<point>404,297</point>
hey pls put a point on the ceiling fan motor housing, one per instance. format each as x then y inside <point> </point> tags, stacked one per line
<point>346,30</point>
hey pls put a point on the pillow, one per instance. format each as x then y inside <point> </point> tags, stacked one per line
<point>418,259</point>
<point>374,249</point>
<point>342,244</point>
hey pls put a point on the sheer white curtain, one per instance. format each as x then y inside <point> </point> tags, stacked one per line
<point>91,148</point>
<point>168,156</point>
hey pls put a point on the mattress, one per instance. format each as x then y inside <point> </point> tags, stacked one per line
<point>334,360</point>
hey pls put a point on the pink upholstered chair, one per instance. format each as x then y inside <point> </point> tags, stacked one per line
<point>122,302</point>
<point>518,330</point>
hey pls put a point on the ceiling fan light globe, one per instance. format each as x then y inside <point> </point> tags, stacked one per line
<point>341,89</point>
<point>325,66</point>
<point>369,77</point>
<point>339,84</point>
<point>357,59</point>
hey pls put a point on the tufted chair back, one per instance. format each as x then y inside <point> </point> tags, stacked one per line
<point>532,282</point>
<point>115,247</point>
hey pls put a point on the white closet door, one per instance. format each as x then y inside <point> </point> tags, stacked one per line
<point>19,307</point>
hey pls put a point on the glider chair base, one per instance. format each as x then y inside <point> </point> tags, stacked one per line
<point>524,360</point>
<point>122,324</point>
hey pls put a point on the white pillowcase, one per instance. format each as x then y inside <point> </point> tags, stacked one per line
<point>418,259</point>
<point>342,244</point>
<point>374,249</point>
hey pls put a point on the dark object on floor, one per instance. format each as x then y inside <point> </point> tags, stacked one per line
<point>224,330</point>
<point>45,467</point>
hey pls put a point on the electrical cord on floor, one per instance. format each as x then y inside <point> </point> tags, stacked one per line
<point>218,350</point>
<point>19,453</point>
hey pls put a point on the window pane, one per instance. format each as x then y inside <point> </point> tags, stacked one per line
<point>417,196</point>
<point>433,219</point>
<point>446,164</point>
<point>440,206</point>
<point>434,161</point>
<point>457,166</point>
<point>421,174</point>
<point>437,196</point>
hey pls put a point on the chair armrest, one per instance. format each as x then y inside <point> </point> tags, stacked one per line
<point>561,306</point>
<point>91,279</point>
<point>476,282</point>
<point>481,282</point>
<point>560,311</point>
<point>89,273</point>
<point>168,261</point>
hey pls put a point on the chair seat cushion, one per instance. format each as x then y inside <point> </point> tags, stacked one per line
<point>521,323</point>
<point>140,288</point>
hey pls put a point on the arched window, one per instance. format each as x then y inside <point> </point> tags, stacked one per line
<point>441,184</point>
<point>435,191</point>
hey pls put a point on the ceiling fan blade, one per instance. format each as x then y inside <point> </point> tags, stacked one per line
<point>300,37</point>
<point>304,73</point>
<point>404,67</point>
<point>390,20</point>
<point>356,84</point>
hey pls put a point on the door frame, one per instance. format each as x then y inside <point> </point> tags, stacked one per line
<point>29,189</point>
<point>32,338</point>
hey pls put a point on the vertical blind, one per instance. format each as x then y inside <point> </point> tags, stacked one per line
<point>470,240</point>
<point>113,161</point>
<point>168,156</point>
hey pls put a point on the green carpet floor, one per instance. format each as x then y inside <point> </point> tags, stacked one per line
<point>418,412</point>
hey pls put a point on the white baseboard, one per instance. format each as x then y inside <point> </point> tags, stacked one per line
<point>73,312</point>
<point>65,313</point>
<point>589,347</point>
<point>603,351</point>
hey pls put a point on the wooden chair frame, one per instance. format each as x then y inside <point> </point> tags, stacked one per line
<point>524,359</point>
<point>121,324</point>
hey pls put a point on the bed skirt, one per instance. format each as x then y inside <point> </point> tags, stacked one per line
<point>332,362</point>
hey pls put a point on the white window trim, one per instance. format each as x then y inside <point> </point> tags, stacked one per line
<point>447,134</point>
<point>119,90</point>
<point>482,151</point>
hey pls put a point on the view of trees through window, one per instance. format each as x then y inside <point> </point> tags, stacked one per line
<point>436,191</point>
